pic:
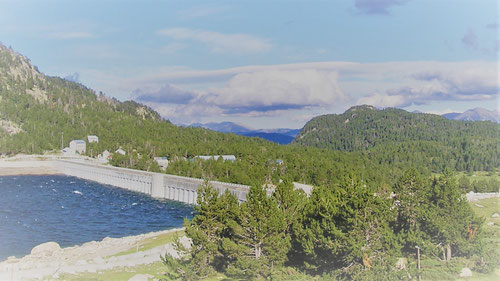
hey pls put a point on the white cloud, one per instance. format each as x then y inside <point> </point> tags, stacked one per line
<point>441,112</point>
<point>219,42</point>
<point>263,93</point>
<point>443,82</point>
<point>304,88</point>
<point>277,89</point>
<point>374,7</point>
<point>383,100</point>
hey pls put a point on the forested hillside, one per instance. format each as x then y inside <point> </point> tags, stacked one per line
<point>40,113</point>
<point>394,135</point>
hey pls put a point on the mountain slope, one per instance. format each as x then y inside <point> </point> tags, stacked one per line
<point>476,114</point>
<point>223,127</point>
<point>467,145</point>
<point>280,135</point>
<point>39,113</point>
<point>273,137</point>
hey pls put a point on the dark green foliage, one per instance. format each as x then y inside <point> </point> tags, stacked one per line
<point>347,231</point>
<point>411,204</point>
<point>259,241</point>
<point>397,137</point>
<point>345,226</point>
<point>450,219</point>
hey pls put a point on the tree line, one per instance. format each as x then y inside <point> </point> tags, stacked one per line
<point>344,231</point>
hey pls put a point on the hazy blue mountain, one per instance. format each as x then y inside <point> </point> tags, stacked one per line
<point>279,135</point>
<point>451,115</point>
<point>476,114</point>
<point>274,137</point>
<point>282,131</point>
<point>223,127</point>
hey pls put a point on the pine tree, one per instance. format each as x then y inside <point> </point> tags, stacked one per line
<point>346,226</point>
<point>412,203</point>
<point>207,231</point>
<point>259,241</point>
<point>451,220</point>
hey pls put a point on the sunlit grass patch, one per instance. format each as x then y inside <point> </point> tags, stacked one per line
<point>152,242</point>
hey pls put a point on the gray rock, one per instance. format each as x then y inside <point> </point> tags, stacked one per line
<point>99,260</point>
<point>466,272</point>
<point>401,263</point>
<point>186,242</point>
<point>45,249</point>
<point>495,215</point>
<point>12,259</point>
<point>141,277</point>
<point>491,223</point>
<point>81,262</point>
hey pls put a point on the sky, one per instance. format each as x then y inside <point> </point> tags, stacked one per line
<point>266,64</point>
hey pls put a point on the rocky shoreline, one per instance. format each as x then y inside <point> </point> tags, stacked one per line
<point>48,260</point>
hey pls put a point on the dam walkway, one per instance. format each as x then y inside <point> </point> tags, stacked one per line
<point>157,185</point>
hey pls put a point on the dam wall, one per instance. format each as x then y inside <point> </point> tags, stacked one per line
<point>177,188</point>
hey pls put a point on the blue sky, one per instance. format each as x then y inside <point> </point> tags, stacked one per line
<point>266,63</point>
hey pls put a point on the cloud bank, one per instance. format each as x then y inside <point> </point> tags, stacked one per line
<point>377,7</point>
<point>219,42</point>
<point>249,94</point>
<point>467,82</point>
<point>256,91</point>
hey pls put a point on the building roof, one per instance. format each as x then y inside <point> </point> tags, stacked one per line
<point>216,157</point>
<point>78,141</point>
<point>229,157</point>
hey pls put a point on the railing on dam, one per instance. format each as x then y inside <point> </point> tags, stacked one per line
<point>183,189</point>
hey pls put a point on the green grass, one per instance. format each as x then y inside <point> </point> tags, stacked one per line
<point>479,175</point>
<point>118,274</point>
<point>152,242</point>
<point>491,232</point>
<point>157,270</point>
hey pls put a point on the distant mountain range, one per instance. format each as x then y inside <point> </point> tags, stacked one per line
<point>476,114</point>
<point>286,136</point>
<point>280,135</point>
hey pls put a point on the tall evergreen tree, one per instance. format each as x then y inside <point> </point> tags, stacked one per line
<point>450,219</point>
<point>346,226</point>
<point>259,241</point>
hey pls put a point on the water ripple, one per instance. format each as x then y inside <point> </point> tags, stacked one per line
<point>71,211</point>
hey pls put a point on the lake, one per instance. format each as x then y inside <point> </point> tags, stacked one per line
<point>72,211</point>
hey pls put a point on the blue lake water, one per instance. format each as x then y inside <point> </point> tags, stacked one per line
<point>72,211</point>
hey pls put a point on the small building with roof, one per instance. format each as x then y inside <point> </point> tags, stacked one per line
<point>162,161</point>
<point>231,158</point>
<point>78,146</point>
<point>120,151</point>
<point>92,138</point>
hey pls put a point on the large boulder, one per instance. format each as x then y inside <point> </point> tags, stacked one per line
<point>466,272</point>
<point>401,263</point>
<point>141,277</point>
<point>45,249</point>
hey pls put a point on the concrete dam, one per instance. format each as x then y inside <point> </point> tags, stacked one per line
<point>178,188</point>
